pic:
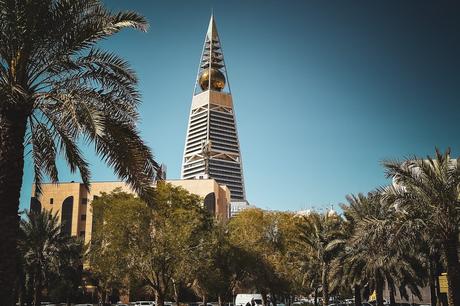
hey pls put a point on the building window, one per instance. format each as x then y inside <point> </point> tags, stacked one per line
<point>51,200</point>
<point>66,216</point>
<point>84,201</point>
<point>83,217</point>
<point>35,205</point>
<point>82,233</point>
<point>210,203</point>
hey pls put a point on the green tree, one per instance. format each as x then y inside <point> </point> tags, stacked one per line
<point>220,267</point>
<point>429,189</point>
<point>307,273</point>
<point>258,233</point>
<point>207,278</point>
<point>211,268</point>
<point>322,237</point>
<point>151,245</point>
<point>113,213</point>
<point>45,251</point>
<point>57,88</point>
<point>287,231</point>
<point>64,284</point>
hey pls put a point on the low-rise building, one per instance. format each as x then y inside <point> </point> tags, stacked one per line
<point>236,207</point>
<point>72,201</point>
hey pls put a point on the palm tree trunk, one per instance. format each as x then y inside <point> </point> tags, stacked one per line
<point>273,298</point>
<point>316,296</point>
<point>325,284</point>
<point>220,300</point>
<point>392,295</point>
<point>264,298</point>
<point>357,293</point>
<point>12,131</point>
<point>453,270</point>
<point>37,291</point>
<point>379,289</point>
<point>441,299</point>
<point>431,281</point>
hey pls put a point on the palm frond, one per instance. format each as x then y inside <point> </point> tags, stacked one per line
<point>51,70</point>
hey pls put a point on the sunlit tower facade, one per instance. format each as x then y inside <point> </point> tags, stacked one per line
<point>212,148</point>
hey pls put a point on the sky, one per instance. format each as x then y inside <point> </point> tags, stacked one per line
<point>323,91</point>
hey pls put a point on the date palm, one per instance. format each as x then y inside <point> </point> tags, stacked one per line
<point>321,235</point>
<point>58,90</point>
<point>378,249</point>
<point>358,260</point>
<point>44,248</point>
<point>343,270</point>
<point>429,189</point>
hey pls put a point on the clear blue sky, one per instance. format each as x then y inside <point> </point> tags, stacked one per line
<point>323,90</point>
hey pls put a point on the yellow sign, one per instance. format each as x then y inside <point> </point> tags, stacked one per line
<point>373,296</point>
<point>443,283</point>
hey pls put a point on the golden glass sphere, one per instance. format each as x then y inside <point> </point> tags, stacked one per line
<point>217,79</point>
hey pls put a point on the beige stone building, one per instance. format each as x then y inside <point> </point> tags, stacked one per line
<point>72,201</point>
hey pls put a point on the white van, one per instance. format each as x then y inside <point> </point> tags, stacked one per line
<point>243,299</point>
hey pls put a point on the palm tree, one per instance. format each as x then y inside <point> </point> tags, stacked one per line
<point>430,189</point>
<point>64,284</point>
<point>43,246</point>
<point>356,257</point>
<point>57,89</point>
<point>431,250</point>
<point>378,249</point>
<point>321,235</point>
<point>345,276</point>
<point>308,271</point>
<point>342,267</point>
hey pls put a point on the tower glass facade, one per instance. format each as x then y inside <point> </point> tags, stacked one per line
<point>212,148</point>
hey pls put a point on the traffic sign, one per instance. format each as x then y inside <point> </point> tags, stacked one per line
<point>443,283</point>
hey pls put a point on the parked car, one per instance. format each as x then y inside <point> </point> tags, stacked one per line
<point>244,298</point>
<point>145,303</point>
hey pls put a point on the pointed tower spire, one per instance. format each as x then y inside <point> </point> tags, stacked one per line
<point>212,30</point>
<point>212,148</point>
<point>212,73</point>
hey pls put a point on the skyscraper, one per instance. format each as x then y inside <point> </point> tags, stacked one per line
<point>212,148</point>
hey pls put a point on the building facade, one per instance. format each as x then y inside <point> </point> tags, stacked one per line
<point>72,201</point>
<point>212,147</point>
<point>237,207</point>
